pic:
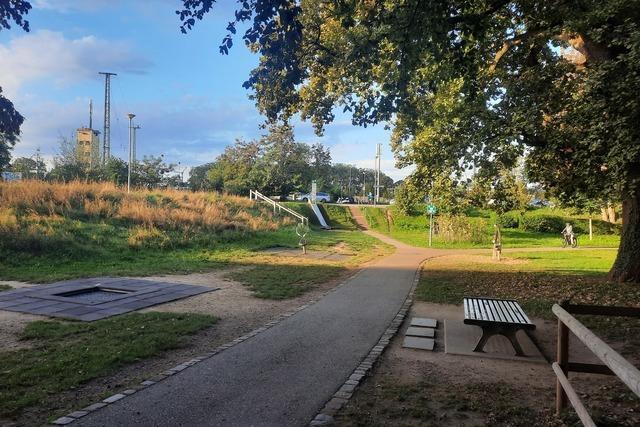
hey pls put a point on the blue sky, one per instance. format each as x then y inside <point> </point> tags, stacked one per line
<point>188,98</point>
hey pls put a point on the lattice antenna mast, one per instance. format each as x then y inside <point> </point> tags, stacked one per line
<point>106,134</point>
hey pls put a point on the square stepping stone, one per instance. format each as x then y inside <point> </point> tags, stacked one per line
<point>424,322</point>
<point>419,343</point>
<point>416,331</point>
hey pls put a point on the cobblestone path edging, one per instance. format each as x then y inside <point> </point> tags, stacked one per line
<point>70,418</point>
<point>344,393</point>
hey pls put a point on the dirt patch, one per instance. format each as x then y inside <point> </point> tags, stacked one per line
<point>413,387</point>
<point>12,325</point>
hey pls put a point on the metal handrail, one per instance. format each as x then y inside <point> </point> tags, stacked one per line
<point>255,195</point>
<point>614,363</point>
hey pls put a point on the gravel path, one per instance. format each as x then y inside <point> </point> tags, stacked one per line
<point>284,375</point>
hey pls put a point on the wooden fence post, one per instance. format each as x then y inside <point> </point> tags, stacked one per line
<point>563,361</point>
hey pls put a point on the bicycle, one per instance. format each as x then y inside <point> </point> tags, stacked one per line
<point>569,240</point>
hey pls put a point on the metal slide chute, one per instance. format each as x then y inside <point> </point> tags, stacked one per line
<point>321,220</point>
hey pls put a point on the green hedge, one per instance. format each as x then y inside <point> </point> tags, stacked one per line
<point>543,223</point>
<point>511,219</point>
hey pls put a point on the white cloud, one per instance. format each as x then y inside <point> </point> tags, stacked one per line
<point>70,5</point>
<point>49,55</point>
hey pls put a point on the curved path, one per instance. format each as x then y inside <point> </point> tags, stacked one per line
<point>284,375</point>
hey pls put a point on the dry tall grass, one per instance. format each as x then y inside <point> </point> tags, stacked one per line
<point>38,201</point>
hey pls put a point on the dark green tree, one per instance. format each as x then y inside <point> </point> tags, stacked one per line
<point>152,171</point>
<point>29,168</point>
<point>466,83</point>
<point>10,119</point>
<point>285,165</point>
<point>232,171</point>
<point>198,180</point>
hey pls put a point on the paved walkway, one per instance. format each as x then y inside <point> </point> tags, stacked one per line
<point>283,376</point>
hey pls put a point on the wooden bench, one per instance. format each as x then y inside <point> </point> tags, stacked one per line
<point>496,317</point>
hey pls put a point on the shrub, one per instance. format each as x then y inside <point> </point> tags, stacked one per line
<point>407,198</point>
<point>599,227</point>
<point>509,219</point>
<point>458,228</point>
<point>542,223</point>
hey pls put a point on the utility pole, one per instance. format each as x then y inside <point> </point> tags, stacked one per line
<point>135,143</point>
<point>377,176</point>
<point>106,134</point>
<point>131,116</point>
<point>91,114</point>
<point>364,185</point>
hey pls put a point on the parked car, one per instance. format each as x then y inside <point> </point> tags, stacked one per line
<point>320,197</point>
<point>345,200</point>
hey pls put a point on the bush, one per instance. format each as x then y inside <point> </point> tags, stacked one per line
<point>407,198</point>
<point>509,219</point>
<point>543,223</point>
<point>458,228</point>
<point>599,227</point>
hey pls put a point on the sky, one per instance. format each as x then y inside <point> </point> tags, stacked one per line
<point>187,97</point>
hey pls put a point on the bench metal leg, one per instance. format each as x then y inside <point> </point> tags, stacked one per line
<point>509,334</point>
<point>486,334</point>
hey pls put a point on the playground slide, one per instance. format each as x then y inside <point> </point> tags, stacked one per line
<point>316,211</point>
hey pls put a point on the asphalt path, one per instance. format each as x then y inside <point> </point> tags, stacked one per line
<point>284,375</point>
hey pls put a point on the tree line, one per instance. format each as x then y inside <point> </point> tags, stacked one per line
<point>277,165</point>
<point>150,172</point>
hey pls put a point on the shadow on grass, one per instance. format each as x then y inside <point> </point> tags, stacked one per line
<point>67,354</point>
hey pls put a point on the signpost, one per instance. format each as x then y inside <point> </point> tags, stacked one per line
<point>431,210</point>
<point>314,191</point>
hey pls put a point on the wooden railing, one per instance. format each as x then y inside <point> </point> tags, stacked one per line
<point>614,363</point>
<point>277,207</point>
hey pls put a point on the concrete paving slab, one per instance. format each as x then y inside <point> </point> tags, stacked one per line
<point>415,331</point>
<point>461,339</point>
<point>60,299</point>
<point>424,322</point>
<point>419,343</point>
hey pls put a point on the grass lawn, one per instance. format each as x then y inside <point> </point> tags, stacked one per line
<point>537,280</point>
<point>414,231</point>
<point>67,354</point>
<point>273,281</point>
<point>112,257</point>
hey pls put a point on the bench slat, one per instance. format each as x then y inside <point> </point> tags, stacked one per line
<point>516,312</point>
<point>523,315</point>
<point>506,312</point>
<point>482,315</point>
<point>499,314</point>
<point>487,307</point>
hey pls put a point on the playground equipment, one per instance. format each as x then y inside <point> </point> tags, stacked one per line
<point>302,230</point>
<point>277,207</point>
<point>321,220</point>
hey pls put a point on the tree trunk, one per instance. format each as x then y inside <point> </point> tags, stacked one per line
<point>627,265</point>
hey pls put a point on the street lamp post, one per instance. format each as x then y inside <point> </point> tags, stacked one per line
<point>131,116</point>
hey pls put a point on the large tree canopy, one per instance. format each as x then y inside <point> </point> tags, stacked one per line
<point>10,119</point>
<point>466,83</point>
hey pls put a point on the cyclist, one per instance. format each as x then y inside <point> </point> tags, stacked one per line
<point>569,237</point>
